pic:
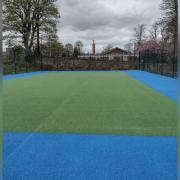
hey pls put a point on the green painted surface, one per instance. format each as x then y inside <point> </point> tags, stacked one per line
<point>87,102</point>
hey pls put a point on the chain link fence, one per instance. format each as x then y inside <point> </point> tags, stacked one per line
<point>166,69</point>
<point>33,62</point>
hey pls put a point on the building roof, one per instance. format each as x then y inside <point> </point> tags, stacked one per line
<point>116,49</point>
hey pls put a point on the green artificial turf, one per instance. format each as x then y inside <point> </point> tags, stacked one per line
<point>87,102</point>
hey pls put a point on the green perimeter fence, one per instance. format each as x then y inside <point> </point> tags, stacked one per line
<point>56,63</point>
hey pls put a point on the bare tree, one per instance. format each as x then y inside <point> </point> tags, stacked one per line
<point>154,31</point>
<point>107,48</point>
<point>170,11</point>
<point>164,35</point>
<point>139,36</point>
<point>129,47</point>
<point>165,42</point>
<point>140,33</point>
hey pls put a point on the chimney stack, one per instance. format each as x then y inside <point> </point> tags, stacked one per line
<point>94,48</point>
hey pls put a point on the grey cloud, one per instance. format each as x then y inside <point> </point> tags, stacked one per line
<point>106,21</point>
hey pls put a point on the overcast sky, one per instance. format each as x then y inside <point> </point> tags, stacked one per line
<point>105,21</point>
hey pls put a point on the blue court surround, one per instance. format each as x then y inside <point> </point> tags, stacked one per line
<point>36,156</point>
<point>165,85</point>
<point>28,74</point>
<point>23,75</point>
<point>42,156</point>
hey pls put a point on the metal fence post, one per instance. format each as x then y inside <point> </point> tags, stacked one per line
<point>26,64</point>
<point>14,60</point>
<point>173,70</point>
<point>139,61</point>
<point>15,68</point>
<point>41,58</point>
<point>57,64</point>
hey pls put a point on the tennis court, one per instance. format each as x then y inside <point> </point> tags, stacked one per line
<point>90,125</point>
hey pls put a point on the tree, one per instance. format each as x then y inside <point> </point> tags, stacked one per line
<point>47,16</point>
<point>79,46</point>
<point>139,36</point>
<point>170,11</point>
<point>26,18</point>
<point>76,52</point>
<point>129,47</point>
<point>69,49</point>
<point>162,30</point>
<point>140,33</point>
<point>53,47</point>
<point>11,40</point>
<point>154,31</point>
<point>107,48</point>
<point>18,53</point>
<point>165,41</point>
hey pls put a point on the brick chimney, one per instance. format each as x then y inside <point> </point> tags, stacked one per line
<point>93,48</point>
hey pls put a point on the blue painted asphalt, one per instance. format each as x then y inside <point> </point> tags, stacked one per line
<point>162,84</point>
<point>40,156</point>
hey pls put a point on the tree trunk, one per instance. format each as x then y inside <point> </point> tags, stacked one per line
<point>26,44</point>
<point>175,48</point>
<point>38,41</point>
<point>38,35</point>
